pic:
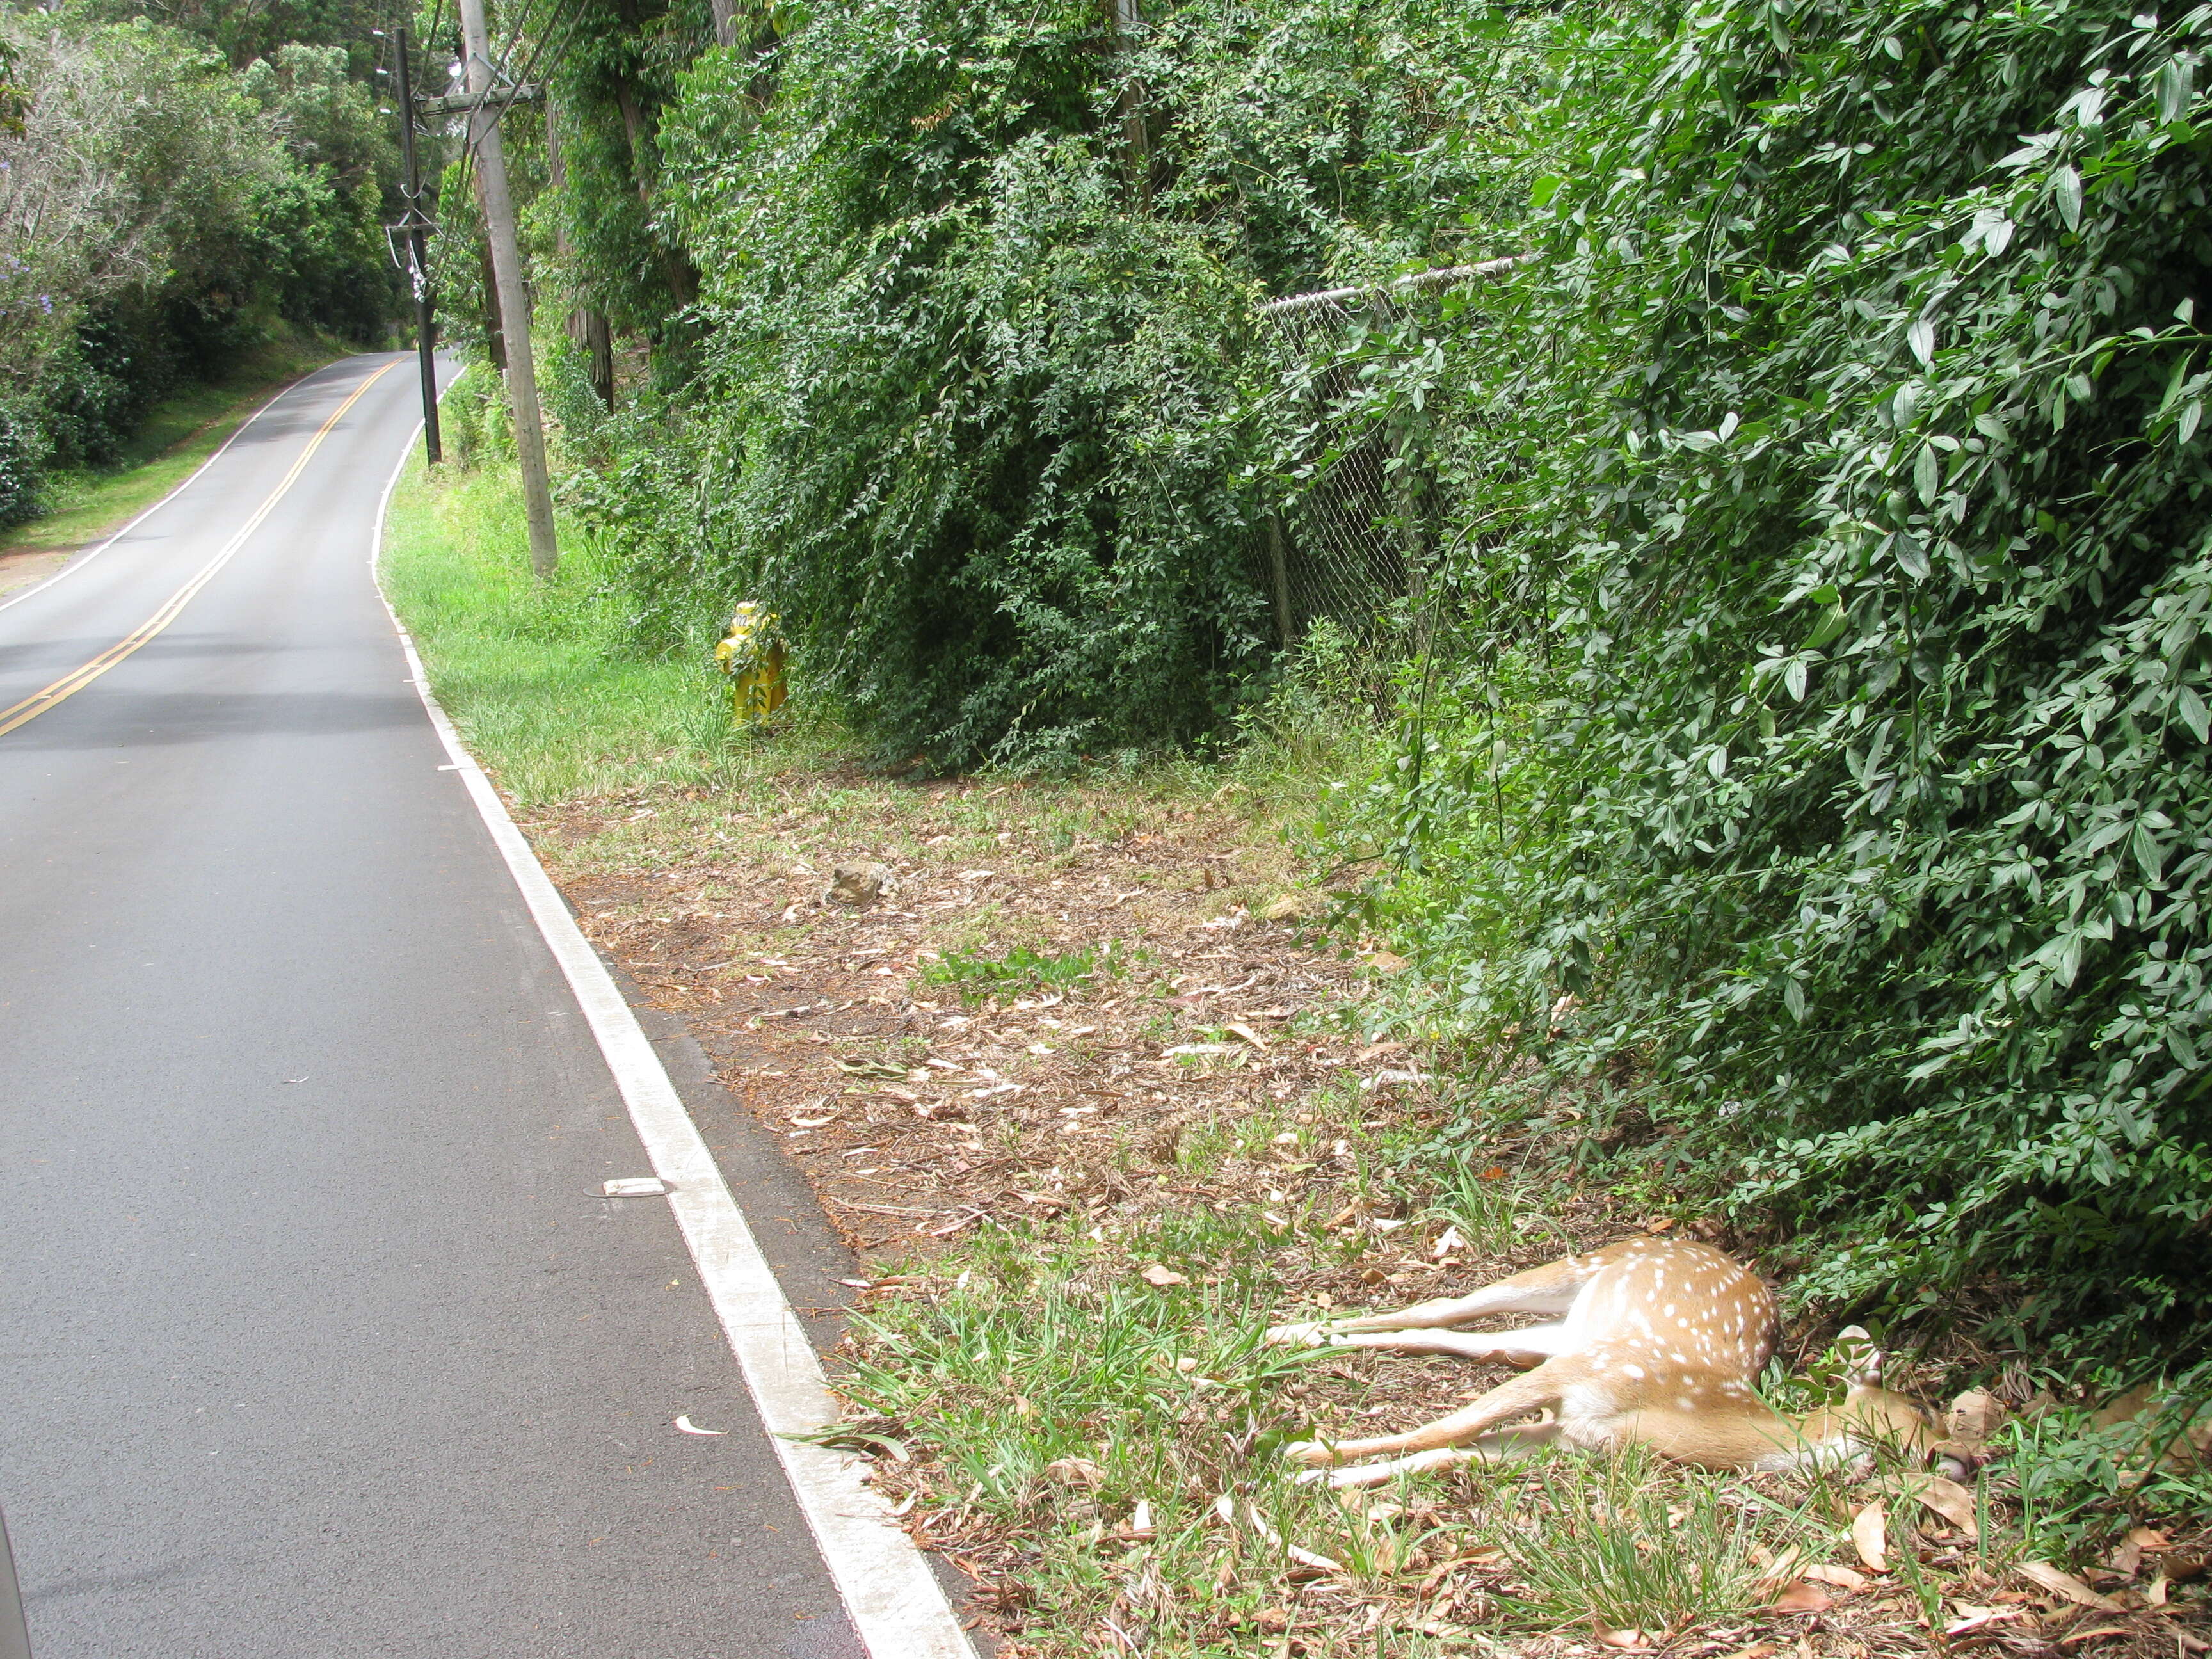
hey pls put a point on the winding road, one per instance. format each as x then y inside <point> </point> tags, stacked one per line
<point>318,1336</point>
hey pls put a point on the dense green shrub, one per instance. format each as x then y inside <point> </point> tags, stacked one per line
<point>1823,701</point>
<point>22,457</point>
<point>160,215</point>
<point>972,413</point>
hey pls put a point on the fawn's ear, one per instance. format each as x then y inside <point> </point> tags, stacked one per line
<point>1861,1359</point>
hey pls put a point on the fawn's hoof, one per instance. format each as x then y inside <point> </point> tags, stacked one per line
<point>1308,1335</point>
<point>1313,1454</point>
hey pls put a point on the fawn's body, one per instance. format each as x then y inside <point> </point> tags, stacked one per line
<point>1659,1343</point>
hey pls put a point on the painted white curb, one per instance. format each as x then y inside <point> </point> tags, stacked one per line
<point>82,560</point>
<point>897,1605</point>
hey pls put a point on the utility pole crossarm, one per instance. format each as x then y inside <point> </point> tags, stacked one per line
<point>468,103</point>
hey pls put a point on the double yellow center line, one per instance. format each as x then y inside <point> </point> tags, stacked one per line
<point>77,678</point>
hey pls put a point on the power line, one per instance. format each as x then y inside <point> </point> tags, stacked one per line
<point>574,16</point>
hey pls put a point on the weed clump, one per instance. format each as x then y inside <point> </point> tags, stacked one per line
<point>976,977</point>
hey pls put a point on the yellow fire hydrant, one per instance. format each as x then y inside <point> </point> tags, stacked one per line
<point>751,654</point>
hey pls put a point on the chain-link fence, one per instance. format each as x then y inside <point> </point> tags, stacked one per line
<point>1358,545</point>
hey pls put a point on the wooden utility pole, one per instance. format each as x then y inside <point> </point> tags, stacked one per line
<point>416,223</point>
<point>514,297</point>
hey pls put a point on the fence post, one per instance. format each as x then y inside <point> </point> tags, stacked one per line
<point>1405,508</point>
<point>1278,562</point>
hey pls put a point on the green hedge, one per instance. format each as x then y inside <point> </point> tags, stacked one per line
<point>1825,700</point>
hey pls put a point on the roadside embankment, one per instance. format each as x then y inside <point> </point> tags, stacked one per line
<point>1086,1073</point>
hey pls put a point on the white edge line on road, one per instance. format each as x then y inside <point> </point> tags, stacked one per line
<point>79,560</point>
<point>897,1605</point>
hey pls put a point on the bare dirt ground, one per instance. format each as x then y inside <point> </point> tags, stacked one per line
<point>1087,1005</point>
<point>922,1108</point>
<point>21,568</point>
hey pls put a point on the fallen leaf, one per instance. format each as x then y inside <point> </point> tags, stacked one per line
<point>1160,1278</point>
<point>1306,1558</point>
<point>1248,1034</point>
<point>2068,1641</point>
<point>1443,1247</point>
<point>1972,1618</point>
<point>1802,1597</point>
<point>1974,1418</point>
<point>1076,1471</point>
<point>1870,1537</point>
<point>1947,1499</point>
<point>1630,1639</point>
<point>876,1068</point>
<point>2124,1407</point>
<point>1842,1577</point>
<point>2149,1539</point>
<point>2067,1585</point>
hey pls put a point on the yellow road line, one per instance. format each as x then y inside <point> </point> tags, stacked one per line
<point>77,678</point>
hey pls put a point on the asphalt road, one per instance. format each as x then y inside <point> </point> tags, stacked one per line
<point>316,1337</point>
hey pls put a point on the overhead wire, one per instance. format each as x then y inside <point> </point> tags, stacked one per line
<point>565,20</point>
<point>571,15</point>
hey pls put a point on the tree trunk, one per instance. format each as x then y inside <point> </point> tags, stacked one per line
<point>1129,21</point>
<point>587,329</point>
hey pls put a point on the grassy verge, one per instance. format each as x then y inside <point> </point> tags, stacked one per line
<point>182,432</point>
<point>1096,1104</point>
<point>535,675</point>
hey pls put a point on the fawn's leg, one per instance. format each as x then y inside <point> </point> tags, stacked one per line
<point>1529,1346</point>
<point>1549,1289</point>
<point>1532,1392</point>
<point>1499,1446</point>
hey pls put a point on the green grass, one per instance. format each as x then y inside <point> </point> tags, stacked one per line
<point>538,676</point>
<point>976,975</point>
<point>1131,1438</point>
<point>551,697</point>
<point>182,432</point>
